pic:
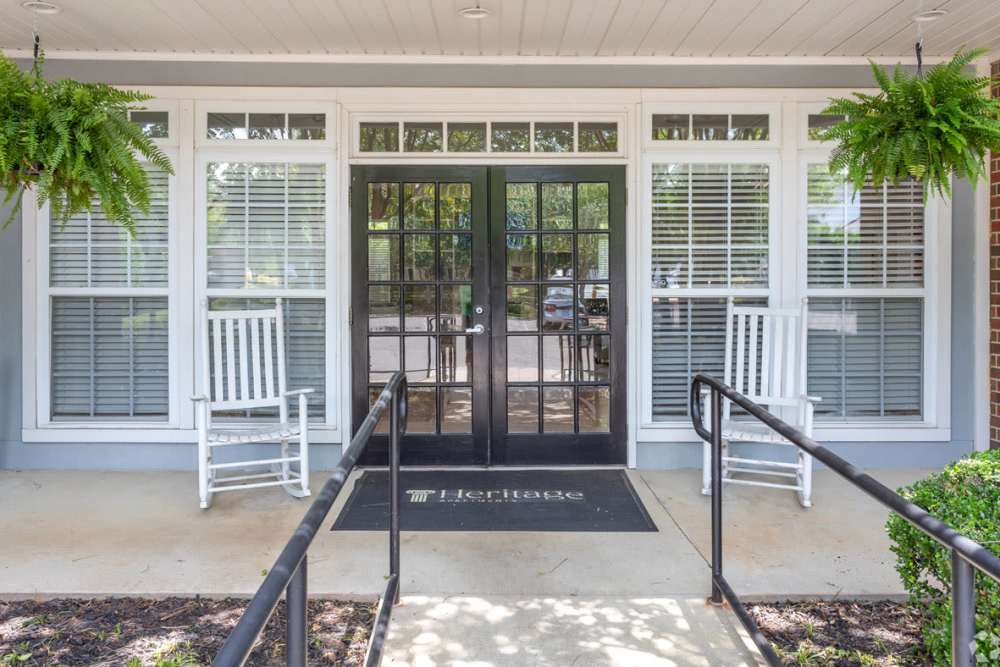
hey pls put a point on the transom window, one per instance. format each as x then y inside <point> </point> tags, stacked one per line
<point>265,126</point>
<point>437,136</point>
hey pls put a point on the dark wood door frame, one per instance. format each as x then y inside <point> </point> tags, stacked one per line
<point>489,443</point>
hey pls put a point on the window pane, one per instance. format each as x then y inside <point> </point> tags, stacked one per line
<point>750,127</point>
<point>267,126</point>
<point>421,410</point>
<point>598,137</point>
<point>521,256</point>
<point>553,137</point>
<point>594,405</point>
<point>88,251</point>
<point>227,126</point>
<point>456,205</point>
<point>277,239</point>
<point>865,357</point>
<point>820,122</point>
<point>422,137</point>
<point>874,238</point>
<point>522,409</point>
<point>383,257</point>
<point>511,137</point>
<point>456,358</point>
<point>557,256</point>
<point>419,307</point>
<point>456,307</point>
<point>383,308</point>
<point>557,407</point>
<point>456,410</point>
<point>383,358</point>
<point>557,206</point>
<point>521,206</point>
<point>558,358</point>
<point>379,137</point>
<point>593,252</point>
<point>557,307</point>
<point>383,206</point>
<point>592,205</point>
<point>418,257</point>
<point>109,358</point>
<point>710,127</point>
<point>418,205</point>
<point>456,256</point>
<point>467,137</point>
<point>307,126</point>
<point>421,359</point>
<point>522,359</point>
<point>595,358</point>
<point>710,225</point>
<point>154,124</point>
<point>594,304</point>
<point>671,127</point>
<point>522,308</point>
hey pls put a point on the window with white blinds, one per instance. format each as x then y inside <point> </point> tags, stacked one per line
<point>865,281</point>
<point>266,230</point>
<point>108,315</point>
<point>710,227</point>
<point>871,238</point>
<point>266,225</point>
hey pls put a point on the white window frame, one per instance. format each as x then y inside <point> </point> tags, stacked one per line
<point>787,150</point>
<point>203,107</point>
<point>328,429</point>
<point>39,418</point>
<point>680,430</point>
<point>773,111</point>
<point>935,424</point>
<point>400,119</point>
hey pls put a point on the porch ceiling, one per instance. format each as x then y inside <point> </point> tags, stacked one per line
<point>731,28</point>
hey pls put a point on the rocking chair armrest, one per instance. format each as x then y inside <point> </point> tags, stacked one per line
<point>811,399</point>
<point>199,397</point>
<point>297,392</point>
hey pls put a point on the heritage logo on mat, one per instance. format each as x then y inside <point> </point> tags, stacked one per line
<point>493,495</point>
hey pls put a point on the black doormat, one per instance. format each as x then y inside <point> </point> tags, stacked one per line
<point>499,500</point>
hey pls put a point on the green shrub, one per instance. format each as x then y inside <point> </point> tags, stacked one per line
<point>966,496</point>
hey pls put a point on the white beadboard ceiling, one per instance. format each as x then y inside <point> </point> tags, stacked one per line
<point>693,28</point>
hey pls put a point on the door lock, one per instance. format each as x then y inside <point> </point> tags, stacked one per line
<point>478,329</point>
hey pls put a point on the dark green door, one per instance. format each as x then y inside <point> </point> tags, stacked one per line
<point>501,293</point>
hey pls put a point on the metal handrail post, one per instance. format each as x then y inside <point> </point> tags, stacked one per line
<point>395,425</point>
<point>716,598</point>
<point>296,627</point>
<point>963,611</point>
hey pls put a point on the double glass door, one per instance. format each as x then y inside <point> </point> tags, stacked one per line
<point>500,291</point>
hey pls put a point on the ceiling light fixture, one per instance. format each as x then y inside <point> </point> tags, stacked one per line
<point>930,15</point>
<point>41,7</point>
<point>474,13</point>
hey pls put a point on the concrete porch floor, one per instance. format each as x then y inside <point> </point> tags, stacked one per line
<point>141,533</point>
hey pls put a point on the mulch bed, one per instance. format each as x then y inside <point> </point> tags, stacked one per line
<point>171,632</point>
<point>843,633</point>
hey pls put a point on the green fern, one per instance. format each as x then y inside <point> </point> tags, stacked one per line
<point>74,145</point>
<point>928,128</point>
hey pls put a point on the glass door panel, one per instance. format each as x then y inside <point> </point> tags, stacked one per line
<point>420,237</point>
<point>558,315</point>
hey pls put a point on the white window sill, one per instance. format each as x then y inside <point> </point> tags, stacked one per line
<point>854,432</point>
<point>102,433</point>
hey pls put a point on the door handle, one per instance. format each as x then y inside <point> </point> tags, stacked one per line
<point>478,329</point>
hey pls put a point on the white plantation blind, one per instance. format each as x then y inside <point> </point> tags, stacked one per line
<point>266,225</point>
<point>710,225</point>
<point>689,337</point>
<point>108,345</point>
<point>865,357</point>
<point>89,252</point>
<point>871,238</point>
<point>109,358</point>
<point>866,345</point>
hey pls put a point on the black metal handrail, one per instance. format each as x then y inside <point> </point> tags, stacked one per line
<point>966,554</point>
<point>289,572</point>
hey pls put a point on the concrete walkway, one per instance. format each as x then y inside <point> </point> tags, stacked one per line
<point>471,598</point>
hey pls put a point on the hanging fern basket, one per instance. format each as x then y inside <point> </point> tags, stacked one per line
<point>73,144</point>
<point>929,127</point>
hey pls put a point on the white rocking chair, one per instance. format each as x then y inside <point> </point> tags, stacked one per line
<point>770,369</point>
<point>237,350</point>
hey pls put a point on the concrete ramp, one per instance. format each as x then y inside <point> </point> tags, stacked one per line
<point>502,631</point>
